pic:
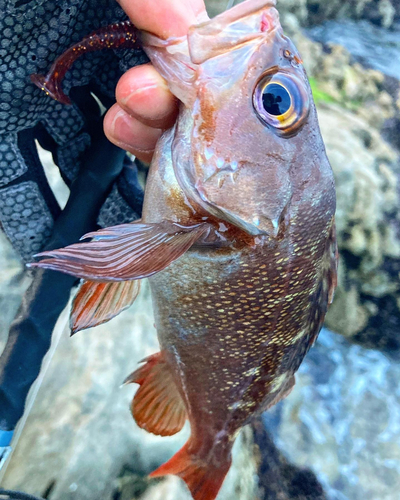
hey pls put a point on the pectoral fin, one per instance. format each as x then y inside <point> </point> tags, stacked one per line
<point>96,303</point>
<point>125,252</point>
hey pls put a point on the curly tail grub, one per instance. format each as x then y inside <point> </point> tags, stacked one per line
<point>114,36</point>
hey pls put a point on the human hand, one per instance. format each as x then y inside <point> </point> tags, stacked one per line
<point>145,107</point>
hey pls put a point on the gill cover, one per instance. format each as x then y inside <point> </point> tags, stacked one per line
<point>232,152</point>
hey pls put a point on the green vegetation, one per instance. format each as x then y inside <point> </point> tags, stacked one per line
<point>320,95</point>
<point>323,97</point>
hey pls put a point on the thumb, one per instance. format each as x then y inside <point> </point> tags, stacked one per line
<point>166,18</point>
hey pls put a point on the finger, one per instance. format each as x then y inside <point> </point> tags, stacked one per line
<point>163,18</point>
<point>130,134</point>
<point>144,94</point>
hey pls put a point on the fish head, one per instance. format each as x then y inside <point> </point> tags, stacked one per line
<point>247,138</point>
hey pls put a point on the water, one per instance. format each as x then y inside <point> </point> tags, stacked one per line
<point>373,46</point>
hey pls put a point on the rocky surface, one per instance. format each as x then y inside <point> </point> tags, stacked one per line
<point>367,220</point>
<point>373,46</point>
<point>12,284</point>
<point>311,12</point>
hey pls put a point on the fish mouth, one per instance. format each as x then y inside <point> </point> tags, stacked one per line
<point>234,27</point>
<point>257,226</point>
<point>254,226</point>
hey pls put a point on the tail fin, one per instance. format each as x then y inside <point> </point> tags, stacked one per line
<point>204,479</point>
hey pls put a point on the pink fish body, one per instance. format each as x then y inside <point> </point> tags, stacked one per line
<point>237,237</point>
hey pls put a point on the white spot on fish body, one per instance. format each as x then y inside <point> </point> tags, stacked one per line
<point>220,163</point>
<point>208,153</point>
<point>278,382</point>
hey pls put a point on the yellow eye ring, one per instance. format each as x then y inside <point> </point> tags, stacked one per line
<point>281,101</point>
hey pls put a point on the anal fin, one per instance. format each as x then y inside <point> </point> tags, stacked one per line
<point>96,303</point>
<point>157,406</point>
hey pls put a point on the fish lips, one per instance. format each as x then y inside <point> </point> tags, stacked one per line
<point>249,196</point>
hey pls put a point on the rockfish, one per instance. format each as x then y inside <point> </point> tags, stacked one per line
<point>237,237</point>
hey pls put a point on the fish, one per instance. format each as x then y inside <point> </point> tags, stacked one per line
<point>237,240</point>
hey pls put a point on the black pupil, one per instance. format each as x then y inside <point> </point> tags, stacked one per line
<point>276,99</point>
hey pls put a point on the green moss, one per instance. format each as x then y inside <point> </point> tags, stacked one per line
<point>352,104</point>
<point>320,95</point>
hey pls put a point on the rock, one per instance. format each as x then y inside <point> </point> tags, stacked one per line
<point>298,9</point>
<point>341,420</point>
<point>373,46</point>
<point>368,204</point>
<point>278,479</point>
<point>13,282</point>
<point>312,12</point>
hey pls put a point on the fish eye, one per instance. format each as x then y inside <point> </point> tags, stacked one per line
<point>276,99</point>
<point>281,101</point>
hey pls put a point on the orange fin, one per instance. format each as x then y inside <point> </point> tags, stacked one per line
<point>96,303</point>
<point>204,479</point>
<point>125,252</point>
<point>157,406</point>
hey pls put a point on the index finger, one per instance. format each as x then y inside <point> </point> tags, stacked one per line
<point>164,18</point>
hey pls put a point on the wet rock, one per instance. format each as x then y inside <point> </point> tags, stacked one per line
<point>380,12</point>
<point>341,420</point>
<point>13,282</point>
<point>279,479</point>
<point>80,423</point>
<point>373,46</point>
<point>366,306</point>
